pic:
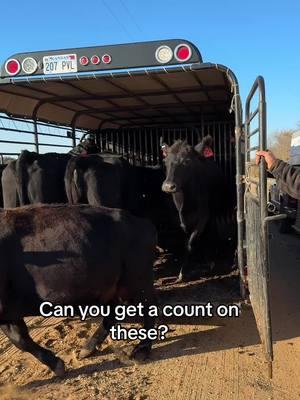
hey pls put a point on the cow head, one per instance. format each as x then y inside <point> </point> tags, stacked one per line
<point>180,158</point>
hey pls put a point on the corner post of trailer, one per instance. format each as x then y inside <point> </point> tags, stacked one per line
<point>239,182</point>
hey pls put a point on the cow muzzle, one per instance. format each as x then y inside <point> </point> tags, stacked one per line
<point>169,187</point>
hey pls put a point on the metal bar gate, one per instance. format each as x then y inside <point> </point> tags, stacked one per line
<point>256,217</point>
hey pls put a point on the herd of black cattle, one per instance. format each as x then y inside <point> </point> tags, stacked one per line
<point>75,252</point>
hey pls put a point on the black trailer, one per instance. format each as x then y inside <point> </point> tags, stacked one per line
<point>135,95</point>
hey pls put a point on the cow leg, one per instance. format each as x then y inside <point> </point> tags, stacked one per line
<point>192,240</point>
<point>185,268</point>
<point>142,350</point>
<point>98,336</point>
<point>17,332</point>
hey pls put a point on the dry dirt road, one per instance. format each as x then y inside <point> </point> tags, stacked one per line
<point>201,359</point>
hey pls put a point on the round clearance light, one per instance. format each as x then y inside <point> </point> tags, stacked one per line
<point>12,66</point>
<point>95,60</point>
<point>183,52</point>
<point>106,58</point>
<point>84,60</point>
<point>164,54</point>
<point>29,65</point>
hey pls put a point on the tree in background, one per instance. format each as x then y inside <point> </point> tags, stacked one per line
<point>281,144</point>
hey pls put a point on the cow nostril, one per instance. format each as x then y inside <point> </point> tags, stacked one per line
<point>169,187</point>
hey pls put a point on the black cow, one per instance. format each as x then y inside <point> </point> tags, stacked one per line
<point>9,186</point>
<point>93,180</point>
<point>72,255</point>
<point>40,177</point>
<point>109,180</point>
<point>197,186</point>
<point>153,203</point>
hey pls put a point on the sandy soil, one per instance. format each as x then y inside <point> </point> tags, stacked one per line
<point>201,359</point>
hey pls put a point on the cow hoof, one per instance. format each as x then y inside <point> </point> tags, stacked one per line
<point>59,370</point>
<point>141,352</point>
<point>84,353</point>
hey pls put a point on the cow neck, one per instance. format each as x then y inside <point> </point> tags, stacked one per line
<point>185,199</point>
<point>188,197</point>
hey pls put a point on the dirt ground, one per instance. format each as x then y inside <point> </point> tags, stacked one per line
<point>201,359</point>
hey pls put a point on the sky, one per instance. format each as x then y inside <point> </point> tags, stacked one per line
<point>252,38</point>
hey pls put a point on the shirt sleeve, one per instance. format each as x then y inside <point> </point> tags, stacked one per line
<point>288,178</point>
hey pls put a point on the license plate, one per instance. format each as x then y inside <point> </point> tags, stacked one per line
<point>60,64</point>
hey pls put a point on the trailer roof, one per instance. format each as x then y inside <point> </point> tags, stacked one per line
<point>107,98</point>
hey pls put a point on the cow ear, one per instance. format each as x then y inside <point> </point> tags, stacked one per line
<point>199,148</point>
<point>164,149</point>
<point>205,142</point>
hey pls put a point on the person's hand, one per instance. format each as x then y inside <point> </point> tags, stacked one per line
<point>268,156</point>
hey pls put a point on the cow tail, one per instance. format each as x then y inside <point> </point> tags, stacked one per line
<point>77,185</point>
<point>72,183</point>
<point>22,178</point>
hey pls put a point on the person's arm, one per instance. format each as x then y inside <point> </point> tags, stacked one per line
<point>287,175</point>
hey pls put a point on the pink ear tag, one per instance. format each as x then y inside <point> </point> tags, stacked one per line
<point>208,152</point>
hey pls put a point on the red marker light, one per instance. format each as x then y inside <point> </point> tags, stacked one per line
<point>12,66</point>
<point>106,58</point>
<point>83,60</point>
<point>95,60</point>
<point>183,52</point>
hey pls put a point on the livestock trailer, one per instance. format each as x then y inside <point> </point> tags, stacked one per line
<point>133,97</point>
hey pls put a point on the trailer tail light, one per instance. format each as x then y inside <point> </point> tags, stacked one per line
<point>183,52</point>
<point>12,66</point>
<point>106,58</point>
<point>95,60</point>
<point>83,60</point>
<point>164,54</point>
<point>29,65</point>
